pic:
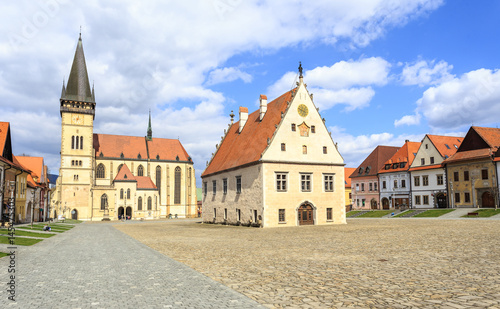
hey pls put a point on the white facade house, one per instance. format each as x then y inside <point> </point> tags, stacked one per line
<point>428,177</point>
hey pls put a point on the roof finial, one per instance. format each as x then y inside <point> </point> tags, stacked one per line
<point>232,117</point>
<point>150,130</point>
<point>300,69</point>
<point>80,32</point>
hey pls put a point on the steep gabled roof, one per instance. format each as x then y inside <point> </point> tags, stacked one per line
<point>479,143</point>
<point>405,154</point>
<point>375,161</point>
<point>446,145</point>
<point>124,174</point>
<point>167,149</point>
<point>35,164</point>
<point>144,182</point>
<point>490,135</point>
<point>5,141</point>
<point>348,171</point>
<point>238,149</point>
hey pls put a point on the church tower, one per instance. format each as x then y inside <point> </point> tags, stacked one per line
<point>77,107</point>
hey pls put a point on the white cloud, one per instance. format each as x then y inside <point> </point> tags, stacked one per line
<point>354,149</point>
<point>345,82</point>
<point>426,73</point>
<point>408,120</point>
<point>157,55</point>
<point>225,75</point>
<point>472,98</point>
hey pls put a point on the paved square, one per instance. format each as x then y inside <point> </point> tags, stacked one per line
<point>368,263</point>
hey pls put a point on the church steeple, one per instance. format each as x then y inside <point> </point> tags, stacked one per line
<point>78,87</point>
<point>150,130</point>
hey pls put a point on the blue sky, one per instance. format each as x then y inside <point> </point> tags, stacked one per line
<point>381,71</point>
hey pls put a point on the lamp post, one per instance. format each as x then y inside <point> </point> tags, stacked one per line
<point>32,205</point>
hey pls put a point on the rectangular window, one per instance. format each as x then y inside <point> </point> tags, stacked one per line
<point>395,183</point>
<point>417,199</point>
<point>214,186</point>
<point>281,215</point>
<point>432,160</point>
<point>328,178</point>
<point>215,213</point>
<point>305,182</point>
<point>329,216</point>
<point>313,129</point>
<point>457,197</point>
<point>455,176</point>
<point>205,187</point>
<point>426,200</point>
<point>350,195</point>
<point>403,183</point>
<point>281,182</point>
<point>363,187</point>
<point>484,174</point>
<point>304,149</point>
<point>325,150</point>
<point>416,180</point>
<point>422,161</point>
<point>357,187</point>
<point>371,186</point>
<point>238,214</point>
<point>238,184</point>
<point>375,186</point>
<point>293,127</point>
<point>425,180</point>
<point>224,185</point>
<point>467,197</point>
<point>225,213</point>
<point>383,185</point>
<point>363,202</point>
<point>466,175</point>
<point>283,147</point>
<point>440,180</point>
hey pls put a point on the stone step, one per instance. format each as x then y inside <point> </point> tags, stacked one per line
<point>410,214</point>
<point>359,213</point>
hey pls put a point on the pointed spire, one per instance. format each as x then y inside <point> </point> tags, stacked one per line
<point>150,130</point>
<point>300,72</point>
<point>93,94</point>
<point>78,88</point>
<point>63,91</point>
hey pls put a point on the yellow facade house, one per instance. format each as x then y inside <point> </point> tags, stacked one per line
<point>277,166</point>
<point>107,177</point>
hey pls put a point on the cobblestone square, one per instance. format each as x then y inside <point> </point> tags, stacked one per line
<point>368,263</point>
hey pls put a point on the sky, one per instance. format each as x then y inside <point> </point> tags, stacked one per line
<point>381,72</point>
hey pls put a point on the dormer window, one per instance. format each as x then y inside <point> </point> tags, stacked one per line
<point>138,156</point>
<point>395,166</point>
<point>122,156</point>
<point>367,170</point>
<point>402,164</point>
<point>447,146</point>
<point>360,170</point>
<point>387,166</point>
<point>157,157</point>
<point>455,146</point>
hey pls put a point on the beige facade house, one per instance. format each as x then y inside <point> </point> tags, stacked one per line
<point>105,176</point>
<point>277,166</point>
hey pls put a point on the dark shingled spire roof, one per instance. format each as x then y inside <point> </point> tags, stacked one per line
<point>78,88</point>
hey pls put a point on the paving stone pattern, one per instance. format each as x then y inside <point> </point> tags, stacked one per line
<point>375,263</point>
<point>97,266</point>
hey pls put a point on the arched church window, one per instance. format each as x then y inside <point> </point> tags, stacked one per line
<point>128,194</point>
<point>158,178</point>
<point>121,194</point>
<point>139,203</point>
<point>73,142</point>
<point>77,142</point>
<point>81,142</point>
<point>177,185</point>
<point>104,201</point>
<point>100,171</point>
<point>150,203</point>
<point>140,171</point>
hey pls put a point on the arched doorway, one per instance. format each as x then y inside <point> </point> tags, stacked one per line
<point>120,212</point>
<point>373,203</point>
<point>129,212</point>
<point>74,214</point>
<point>441,200</point>
<point>487,200</point>
<point>306,214</point>
<point>385,203</point>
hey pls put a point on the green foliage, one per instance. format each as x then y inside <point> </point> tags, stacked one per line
<point>404,213</point>
<point>29,234</point>
<point>432,213</point>
<point>20,241</point>
<point>352,213</point>
<point>375,214</point>
<point>2,254</point>
<point>484,213</point>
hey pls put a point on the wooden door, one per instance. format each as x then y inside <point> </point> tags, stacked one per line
<point>487,200</point>
<point>305,213</point>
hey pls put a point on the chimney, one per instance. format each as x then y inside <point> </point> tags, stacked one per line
<point>243,117</point>
<point>263,106</point>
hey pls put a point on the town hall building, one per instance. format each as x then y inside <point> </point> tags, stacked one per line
<point>277,166</point>
<point>107,177</point>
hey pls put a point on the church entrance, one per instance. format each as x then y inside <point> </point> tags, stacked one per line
<point>441,200</point>
<point>120,213</point>
<point>305,214</point>
<point>129,212</point>
<point>385,203</point>
<point>74,214</point>
<point>487,200</point>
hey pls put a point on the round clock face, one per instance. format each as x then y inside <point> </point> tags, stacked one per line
<point>302,110</point>
<point>76,119</point>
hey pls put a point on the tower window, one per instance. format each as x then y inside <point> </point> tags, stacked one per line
<point>81,142</point>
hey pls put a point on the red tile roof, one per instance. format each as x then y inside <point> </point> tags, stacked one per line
<point>238,149</point>
<point>490,136</point>
<point>143,182</point>
<point>375,161</point>
<point>124,174</point>
<point>404,154</point>
<point>113,146</point>
<point>15,165</point>
<point>35,164</point>
<point>469,155</point>
<point>348,171</point>
<point>440,143</point>
<point>479,143</point>
<point>426,167</point>
<point>4,129</point>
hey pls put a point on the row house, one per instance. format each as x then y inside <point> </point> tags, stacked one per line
<point>364,179</point>
<point>348,190</point>
<point>394,177</point>
<point>428,176</point>
<point>473,170</point>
